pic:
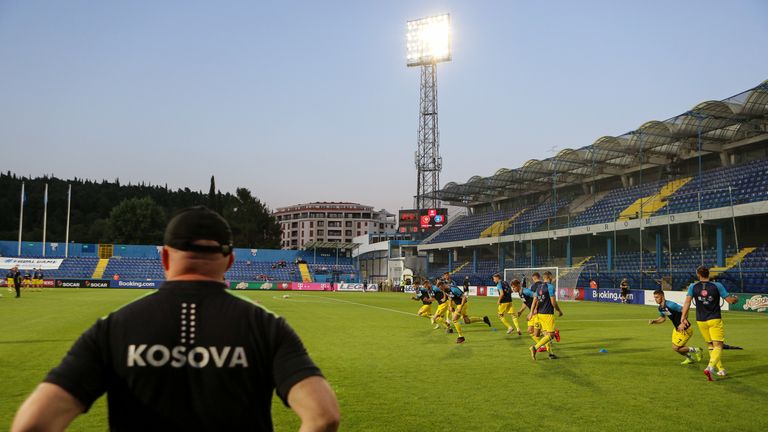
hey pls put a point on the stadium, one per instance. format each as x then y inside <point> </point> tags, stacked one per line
<point>615,222</point>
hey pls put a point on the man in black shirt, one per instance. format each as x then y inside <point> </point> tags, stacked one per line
<point>189,356</point>
<point>17,281</point>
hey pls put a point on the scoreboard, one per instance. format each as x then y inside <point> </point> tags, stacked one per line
<point>422,221</point>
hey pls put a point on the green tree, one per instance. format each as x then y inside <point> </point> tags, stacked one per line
<point>253,225</point>
<point>137,221</point>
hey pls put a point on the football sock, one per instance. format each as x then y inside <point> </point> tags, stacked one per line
<point>714,358</point>
<point>543,341</point>
<point>458,328</point>
<point>516,322</point>
<point>506,323</point>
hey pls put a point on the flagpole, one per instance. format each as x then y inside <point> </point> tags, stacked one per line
<point>45,215</point>
<point>21,216</point>
<point>69,206</point>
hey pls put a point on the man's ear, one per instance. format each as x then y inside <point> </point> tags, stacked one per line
<point>164,258</point>
<point>231,260</point>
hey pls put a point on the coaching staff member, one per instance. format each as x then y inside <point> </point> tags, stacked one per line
<point>189,356</point>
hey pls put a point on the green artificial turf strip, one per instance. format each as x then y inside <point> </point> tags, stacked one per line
<point>392,372</point>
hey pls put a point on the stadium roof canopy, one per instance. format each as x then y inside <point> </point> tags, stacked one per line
<point>330,245</point>
<point>712,124</point>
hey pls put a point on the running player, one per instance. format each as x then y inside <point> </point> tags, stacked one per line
<point>526,295</point>
<point>447,279</point>
<point>423,294</point>
<point>544,305</point>
<point>505,304</point>
<point>441,316</point>
<point>668,308</point>
<point>461,310</point>
<point>547,277</point>
<point>708,317</point>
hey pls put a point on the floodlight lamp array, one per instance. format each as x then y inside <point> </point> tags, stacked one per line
<point>428,40</point>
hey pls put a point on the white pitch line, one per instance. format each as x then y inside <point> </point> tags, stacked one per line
<point>363,304</point>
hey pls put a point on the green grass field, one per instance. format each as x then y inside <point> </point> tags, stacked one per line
<point>392,372</point>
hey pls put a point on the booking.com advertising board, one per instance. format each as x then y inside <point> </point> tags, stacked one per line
<point>614,296</point>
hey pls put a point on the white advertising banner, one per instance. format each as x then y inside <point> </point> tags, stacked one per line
<point>356,287</point>
<point>31,263</point>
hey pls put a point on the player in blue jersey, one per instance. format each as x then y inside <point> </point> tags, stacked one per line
<point>424,295</point>
<point>707,295</point>
<point>460,308</point>
<point>505,305</point>
<point>674,311</point>
<point>544,306</point>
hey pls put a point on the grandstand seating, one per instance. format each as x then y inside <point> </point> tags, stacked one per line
<point>749,182</point>
<point>129,268</point>
<point>73,268</point>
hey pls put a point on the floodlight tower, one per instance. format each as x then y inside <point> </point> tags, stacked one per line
<point>428,43</point>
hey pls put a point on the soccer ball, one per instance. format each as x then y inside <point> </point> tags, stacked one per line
<point>285,296</point>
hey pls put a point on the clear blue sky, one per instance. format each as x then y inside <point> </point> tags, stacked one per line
<point>311,100</point>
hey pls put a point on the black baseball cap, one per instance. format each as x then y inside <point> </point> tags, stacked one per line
<point>198,223</point>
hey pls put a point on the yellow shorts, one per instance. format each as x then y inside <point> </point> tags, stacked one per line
<point>712,330</point>
<point>36,281</point>
<point>425,310</point>
<point>460,310</point>
<point>681,338</point>
<point>442,309</point>
<point>547,322</point>
<point>534,322</point>
<point>9,282</point>
<point>506,308</point>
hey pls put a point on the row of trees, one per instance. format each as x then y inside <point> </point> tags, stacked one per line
<point>108,212</point>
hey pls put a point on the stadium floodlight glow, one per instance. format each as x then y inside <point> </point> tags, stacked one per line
<point>428,40</point>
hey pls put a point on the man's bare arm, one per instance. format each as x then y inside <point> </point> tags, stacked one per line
<point>48,408</point>
<point>315,403</point>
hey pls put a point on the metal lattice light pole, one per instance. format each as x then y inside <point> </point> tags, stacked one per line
<point>428,43</point>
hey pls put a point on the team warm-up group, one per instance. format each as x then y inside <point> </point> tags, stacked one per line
<point>16,281</point>
<point>453,307</point>
<point>541,302</point>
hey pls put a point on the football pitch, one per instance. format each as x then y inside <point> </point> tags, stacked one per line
<point>392,372</point>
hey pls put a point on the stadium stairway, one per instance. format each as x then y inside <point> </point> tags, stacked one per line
<point>458,269</point>
<point>652,204</point>
<point>98,272</point>
<point>575,266</point>
<point>497,228</point>
<point>732,261</point>
<point>306,276</point>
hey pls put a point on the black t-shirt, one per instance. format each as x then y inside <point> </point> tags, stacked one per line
<point>188,356</point>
